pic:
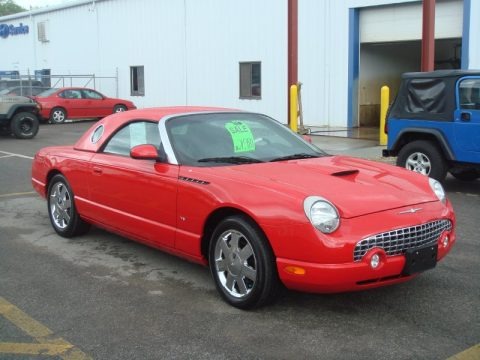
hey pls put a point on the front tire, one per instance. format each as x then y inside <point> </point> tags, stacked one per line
<point>242,263</point>
<point>119,108</point>
<point>423,157</point>
<point>24,125</point>
<point>58,115</point>
<point>62,211</point>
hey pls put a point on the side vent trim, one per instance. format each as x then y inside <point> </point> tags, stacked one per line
<point>192,180</point>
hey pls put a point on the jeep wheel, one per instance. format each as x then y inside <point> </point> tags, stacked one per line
<point>24,125</point>
<point>58,115</point>
<point>423,157</point>
<point>466,174</point>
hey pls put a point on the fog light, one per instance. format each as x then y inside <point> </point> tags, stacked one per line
<point>445,241</point>
<point>375,261</point>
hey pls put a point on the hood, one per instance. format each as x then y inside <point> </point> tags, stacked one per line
<point>356,186</point>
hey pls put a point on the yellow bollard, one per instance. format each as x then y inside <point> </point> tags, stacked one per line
<point>384,100</point>
<point>294,108</point>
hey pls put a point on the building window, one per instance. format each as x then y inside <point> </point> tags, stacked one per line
<point>137,81</point>
<point>42,32</point>
<point>250,80</point>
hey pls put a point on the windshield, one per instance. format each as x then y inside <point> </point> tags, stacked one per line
<point>47,92</point>
<point>221,139</point>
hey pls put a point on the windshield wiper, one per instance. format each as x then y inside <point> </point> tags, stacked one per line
<point>295,156</point>
<point>231,160</point>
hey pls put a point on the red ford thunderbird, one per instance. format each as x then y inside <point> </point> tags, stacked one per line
<point>241,193</point>
<point>56,105</point>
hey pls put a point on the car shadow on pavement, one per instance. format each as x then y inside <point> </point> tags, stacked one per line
<point>467,187</point>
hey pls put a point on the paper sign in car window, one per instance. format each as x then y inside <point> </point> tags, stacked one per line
<point>138,134</point>
<point>242,136</point>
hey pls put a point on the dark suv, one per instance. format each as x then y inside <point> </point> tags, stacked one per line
<point>433,125</point>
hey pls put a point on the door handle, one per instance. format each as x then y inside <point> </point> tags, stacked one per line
<point>97,170</point>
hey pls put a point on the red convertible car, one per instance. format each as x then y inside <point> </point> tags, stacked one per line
<point>241,193</point>
<point>56,105</point>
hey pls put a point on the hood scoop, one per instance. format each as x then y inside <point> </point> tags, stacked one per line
<point>345,172</point>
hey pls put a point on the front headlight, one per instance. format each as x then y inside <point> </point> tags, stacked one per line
<point>437,188</point>
<point>322,214</point>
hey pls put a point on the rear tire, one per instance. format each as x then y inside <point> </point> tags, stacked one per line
<point>24,125</point>
<point>119,108</point>
<point>61,209</point>
<point>423,157</point>
<point>242,263</point>
<point>58,115</point>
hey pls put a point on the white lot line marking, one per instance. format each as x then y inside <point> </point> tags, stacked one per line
<point>5,156</point>
<point>17,194</point>
<point>17,155</point>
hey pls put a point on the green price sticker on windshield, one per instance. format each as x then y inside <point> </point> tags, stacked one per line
<point>241,135</point>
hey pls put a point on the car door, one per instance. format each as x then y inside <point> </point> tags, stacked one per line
<point>467,118</point>
<point>133,196</point>
<point>71,101</point>
<point>96,104</point>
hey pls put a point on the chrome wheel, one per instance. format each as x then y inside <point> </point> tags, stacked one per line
<point>60,205</point>
<point>235,263</point>
<point>419,163</point>
<point>424,157</point>
<point>58,116</point>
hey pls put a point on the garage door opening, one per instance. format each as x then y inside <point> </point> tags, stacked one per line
<point>387,44</point>
<point>383,63</point>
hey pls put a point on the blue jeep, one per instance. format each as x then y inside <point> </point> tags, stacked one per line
<point>433,125</point>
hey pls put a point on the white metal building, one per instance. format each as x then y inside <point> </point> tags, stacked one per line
<point>234,53</point>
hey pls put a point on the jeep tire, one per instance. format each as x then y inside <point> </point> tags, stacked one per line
<point>424,157</point>
<point>24,125</point>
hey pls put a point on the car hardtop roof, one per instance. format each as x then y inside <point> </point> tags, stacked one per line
<point>157,113</point>
<point>440,74</point>
<point>115,121</point>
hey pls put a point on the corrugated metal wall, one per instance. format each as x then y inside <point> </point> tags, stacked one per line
<point>191,50</point>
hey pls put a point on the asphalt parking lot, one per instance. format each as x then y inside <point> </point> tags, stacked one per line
<point>101,296</point>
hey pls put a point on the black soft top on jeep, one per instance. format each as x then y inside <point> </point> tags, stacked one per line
<point>428,95</point>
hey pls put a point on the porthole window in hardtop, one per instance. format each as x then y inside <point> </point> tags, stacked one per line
<point>469,94</point>
<point>97,134</point>
<point>135,133</point>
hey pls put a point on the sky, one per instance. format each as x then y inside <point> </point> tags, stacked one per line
<point>38,3</point>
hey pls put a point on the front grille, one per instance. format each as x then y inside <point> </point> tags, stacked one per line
<point>396,242</point>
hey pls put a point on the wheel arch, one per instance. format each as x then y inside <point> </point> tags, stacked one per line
<point>215,218</point>
<point>49,178</point>
<point>14,110</point>
<point>120,104</point>
<point>411,134</point>
<point>59,107</point>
